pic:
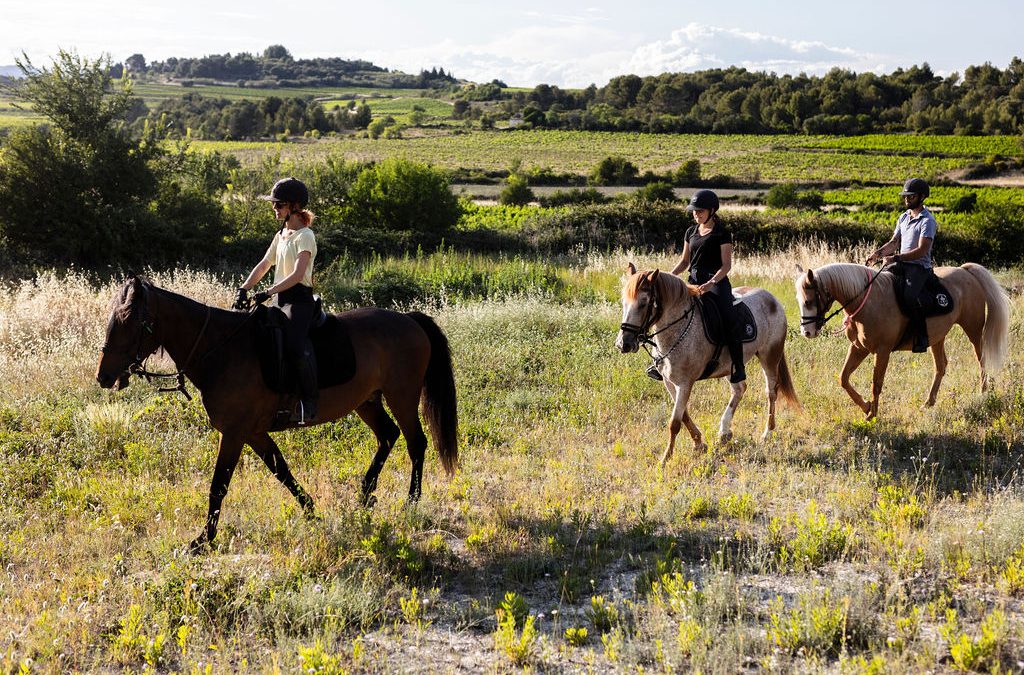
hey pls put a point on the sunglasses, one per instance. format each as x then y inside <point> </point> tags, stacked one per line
<point>278,205</point>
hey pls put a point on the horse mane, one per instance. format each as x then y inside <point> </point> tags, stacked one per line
<point>843,279</point>
<point>670,286</point>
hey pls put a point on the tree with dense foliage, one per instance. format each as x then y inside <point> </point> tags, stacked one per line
<point>404,196</point>
<point>81,189</point>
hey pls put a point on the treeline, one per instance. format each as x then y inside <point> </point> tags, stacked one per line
<point>202,117</point>
<point>986,100</point>
<point>276,68</point>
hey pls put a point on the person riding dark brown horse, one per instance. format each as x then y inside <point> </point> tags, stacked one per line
<point>399,358</point>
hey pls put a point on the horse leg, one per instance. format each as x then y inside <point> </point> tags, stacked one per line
<point>725,426</point>
<point>881,364</point>
<point>372,412</point>
<point>265,447</point>
<point>979,346</point>
<point>939,355</point>
<point>854,357</point>
<point>680,417</point>
<point>227,460</point>
<point>771,388</point>
<point>405,406</point>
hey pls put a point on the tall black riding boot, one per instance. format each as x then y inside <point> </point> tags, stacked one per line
<point>739,371</point>
<point>309,392</point>
<point>920,330</point>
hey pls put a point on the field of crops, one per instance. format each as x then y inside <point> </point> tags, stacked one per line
<point>960,146</point>
<point>743,157</point>
<point>845,545</point>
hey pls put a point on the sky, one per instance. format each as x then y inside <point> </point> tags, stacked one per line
<point>528,42</point>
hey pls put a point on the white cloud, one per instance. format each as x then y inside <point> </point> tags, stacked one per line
<point>577,53</point>
<point>698,47</point>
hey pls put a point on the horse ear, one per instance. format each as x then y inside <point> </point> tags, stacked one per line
<point>632,268</point>
<point>799,270</point>
<point>810,275</point>
<point>654,275</point>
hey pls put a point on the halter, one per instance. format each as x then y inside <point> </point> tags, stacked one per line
<point>823,299</point>
<point>651,316</point>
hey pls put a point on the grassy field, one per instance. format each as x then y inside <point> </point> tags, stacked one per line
<point>840,545</point>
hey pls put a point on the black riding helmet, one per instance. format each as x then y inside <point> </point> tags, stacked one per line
<point>703,199</point>
<point>289,190</point>
<point>915,186</point>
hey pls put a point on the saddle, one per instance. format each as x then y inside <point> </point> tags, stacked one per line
<point>934,299</point>
<point>744,329</point>
<point>332,344</point>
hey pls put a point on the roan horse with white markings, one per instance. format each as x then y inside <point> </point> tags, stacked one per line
<point>660,309</point>
<point>876,326</point>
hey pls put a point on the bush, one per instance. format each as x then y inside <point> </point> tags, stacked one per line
<point>613,171</point>
<point>688,174</point>
<point>570,197</point>
<point>397,194</point>
<point>516,192</point>
<point>965,204</point>
<point>782,196</point>
<point>655,192</point>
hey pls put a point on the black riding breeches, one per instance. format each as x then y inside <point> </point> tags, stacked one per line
<point>298,308</point>
<point>913,278</point>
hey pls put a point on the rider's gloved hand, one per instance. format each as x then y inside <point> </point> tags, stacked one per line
<point>261,297</point>
<point>241,303</point>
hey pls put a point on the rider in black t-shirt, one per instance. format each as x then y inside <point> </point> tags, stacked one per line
<point>707,255</point>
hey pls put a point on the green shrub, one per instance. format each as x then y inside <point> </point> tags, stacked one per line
<point>658,191</point>
<point>573,197</point>
<point>613,171</point>
<point>516,192</point>
<point>397,194</point>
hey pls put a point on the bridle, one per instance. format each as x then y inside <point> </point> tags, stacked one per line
<point>138,364</point>
<point>651,315</point>
<point>822,299</point>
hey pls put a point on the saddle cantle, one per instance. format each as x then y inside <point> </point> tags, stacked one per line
<point>332,344</point>
<point>745,328</point>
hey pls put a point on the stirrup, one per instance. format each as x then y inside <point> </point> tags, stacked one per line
<point>654,373</point>
<point>299,415</point>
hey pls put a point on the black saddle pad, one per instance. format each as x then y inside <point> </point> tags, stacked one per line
<point>745,328</point>
<point>934,299</point>
<point>332,344</point>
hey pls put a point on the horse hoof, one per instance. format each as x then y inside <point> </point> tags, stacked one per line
<point>725,439</point>
<point>199,546</point>
<point>368,501</point>
<point>700,448</point>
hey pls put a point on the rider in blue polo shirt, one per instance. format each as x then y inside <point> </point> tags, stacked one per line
<point>914,234</point>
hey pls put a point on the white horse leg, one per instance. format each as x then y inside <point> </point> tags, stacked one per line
<point>771,390</point>
<point>725,426</point>
<point>679,417</point>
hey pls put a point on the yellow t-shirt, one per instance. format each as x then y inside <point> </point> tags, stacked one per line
<point>284,253</point>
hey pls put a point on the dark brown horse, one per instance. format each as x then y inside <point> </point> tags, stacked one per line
<point>399,359</point>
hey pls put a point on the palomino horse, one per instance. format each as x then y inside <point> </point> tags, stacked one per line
<point>399,359</point>
<point>876,326</point>
<point>660,309</point>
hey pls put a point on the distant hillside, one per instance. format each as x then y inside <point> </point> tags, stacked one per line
<point>10,71</point>
<point>276,67</point>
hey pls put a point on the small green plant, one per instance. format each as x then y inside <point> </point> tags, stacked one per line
<point>677,593</point>
<point>1011,578</point>
<point>895,509</point>
<point>577,636</point>
<point>518,646</point>
<point>817,625</point>
<point>513,606</point>
<point>413,608</point>
<point>699,508</point>
<point>907,630</point>
<point>603,614</point>
<point>742,506</point>
<point>130,641</point>
<point>975,653</point>
<point>814,540</point>
<point>689,636</point>
<point>316,661</point>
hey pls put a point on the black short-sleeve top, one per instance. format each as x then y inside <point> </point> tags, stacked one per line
<point>706,251</point>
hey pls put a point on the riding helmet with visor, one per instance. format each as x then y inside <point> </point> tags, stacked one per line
<point>703,199</point>
<point>290,190</point>
<point>915,186</point>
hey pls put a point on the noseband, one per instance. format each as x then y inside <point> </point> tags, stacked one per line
<point>651,316</point>
<point>821,301</point>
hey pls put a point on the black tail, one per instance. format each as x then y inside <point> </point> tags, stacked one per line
<point>439,405</point>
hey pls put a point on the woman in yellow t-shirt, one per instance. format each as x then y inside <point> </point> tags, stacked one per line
<point>291,253</point>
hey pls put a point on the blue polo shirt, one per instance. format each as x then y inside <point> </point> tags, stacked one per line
<point>910,229</point>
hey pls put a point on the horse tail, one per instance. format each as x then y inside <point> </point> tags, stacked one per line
<point>997,320</point>
<point>439,404</point>
<point>786,389</point>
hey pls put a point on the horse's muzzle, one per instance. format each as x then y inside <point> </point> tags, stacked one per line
<point>627,342</point>
<point>110,382</point>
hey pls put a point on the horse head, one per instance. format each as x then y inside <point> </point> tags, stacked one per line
<point>814,298</point>
<point>130,336</point>
<point>640,308</point>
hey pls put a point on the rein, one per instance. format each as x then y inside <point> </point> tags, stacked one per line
<point>819,299</point>
<point>651,316</point>
<point>138,367</point>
